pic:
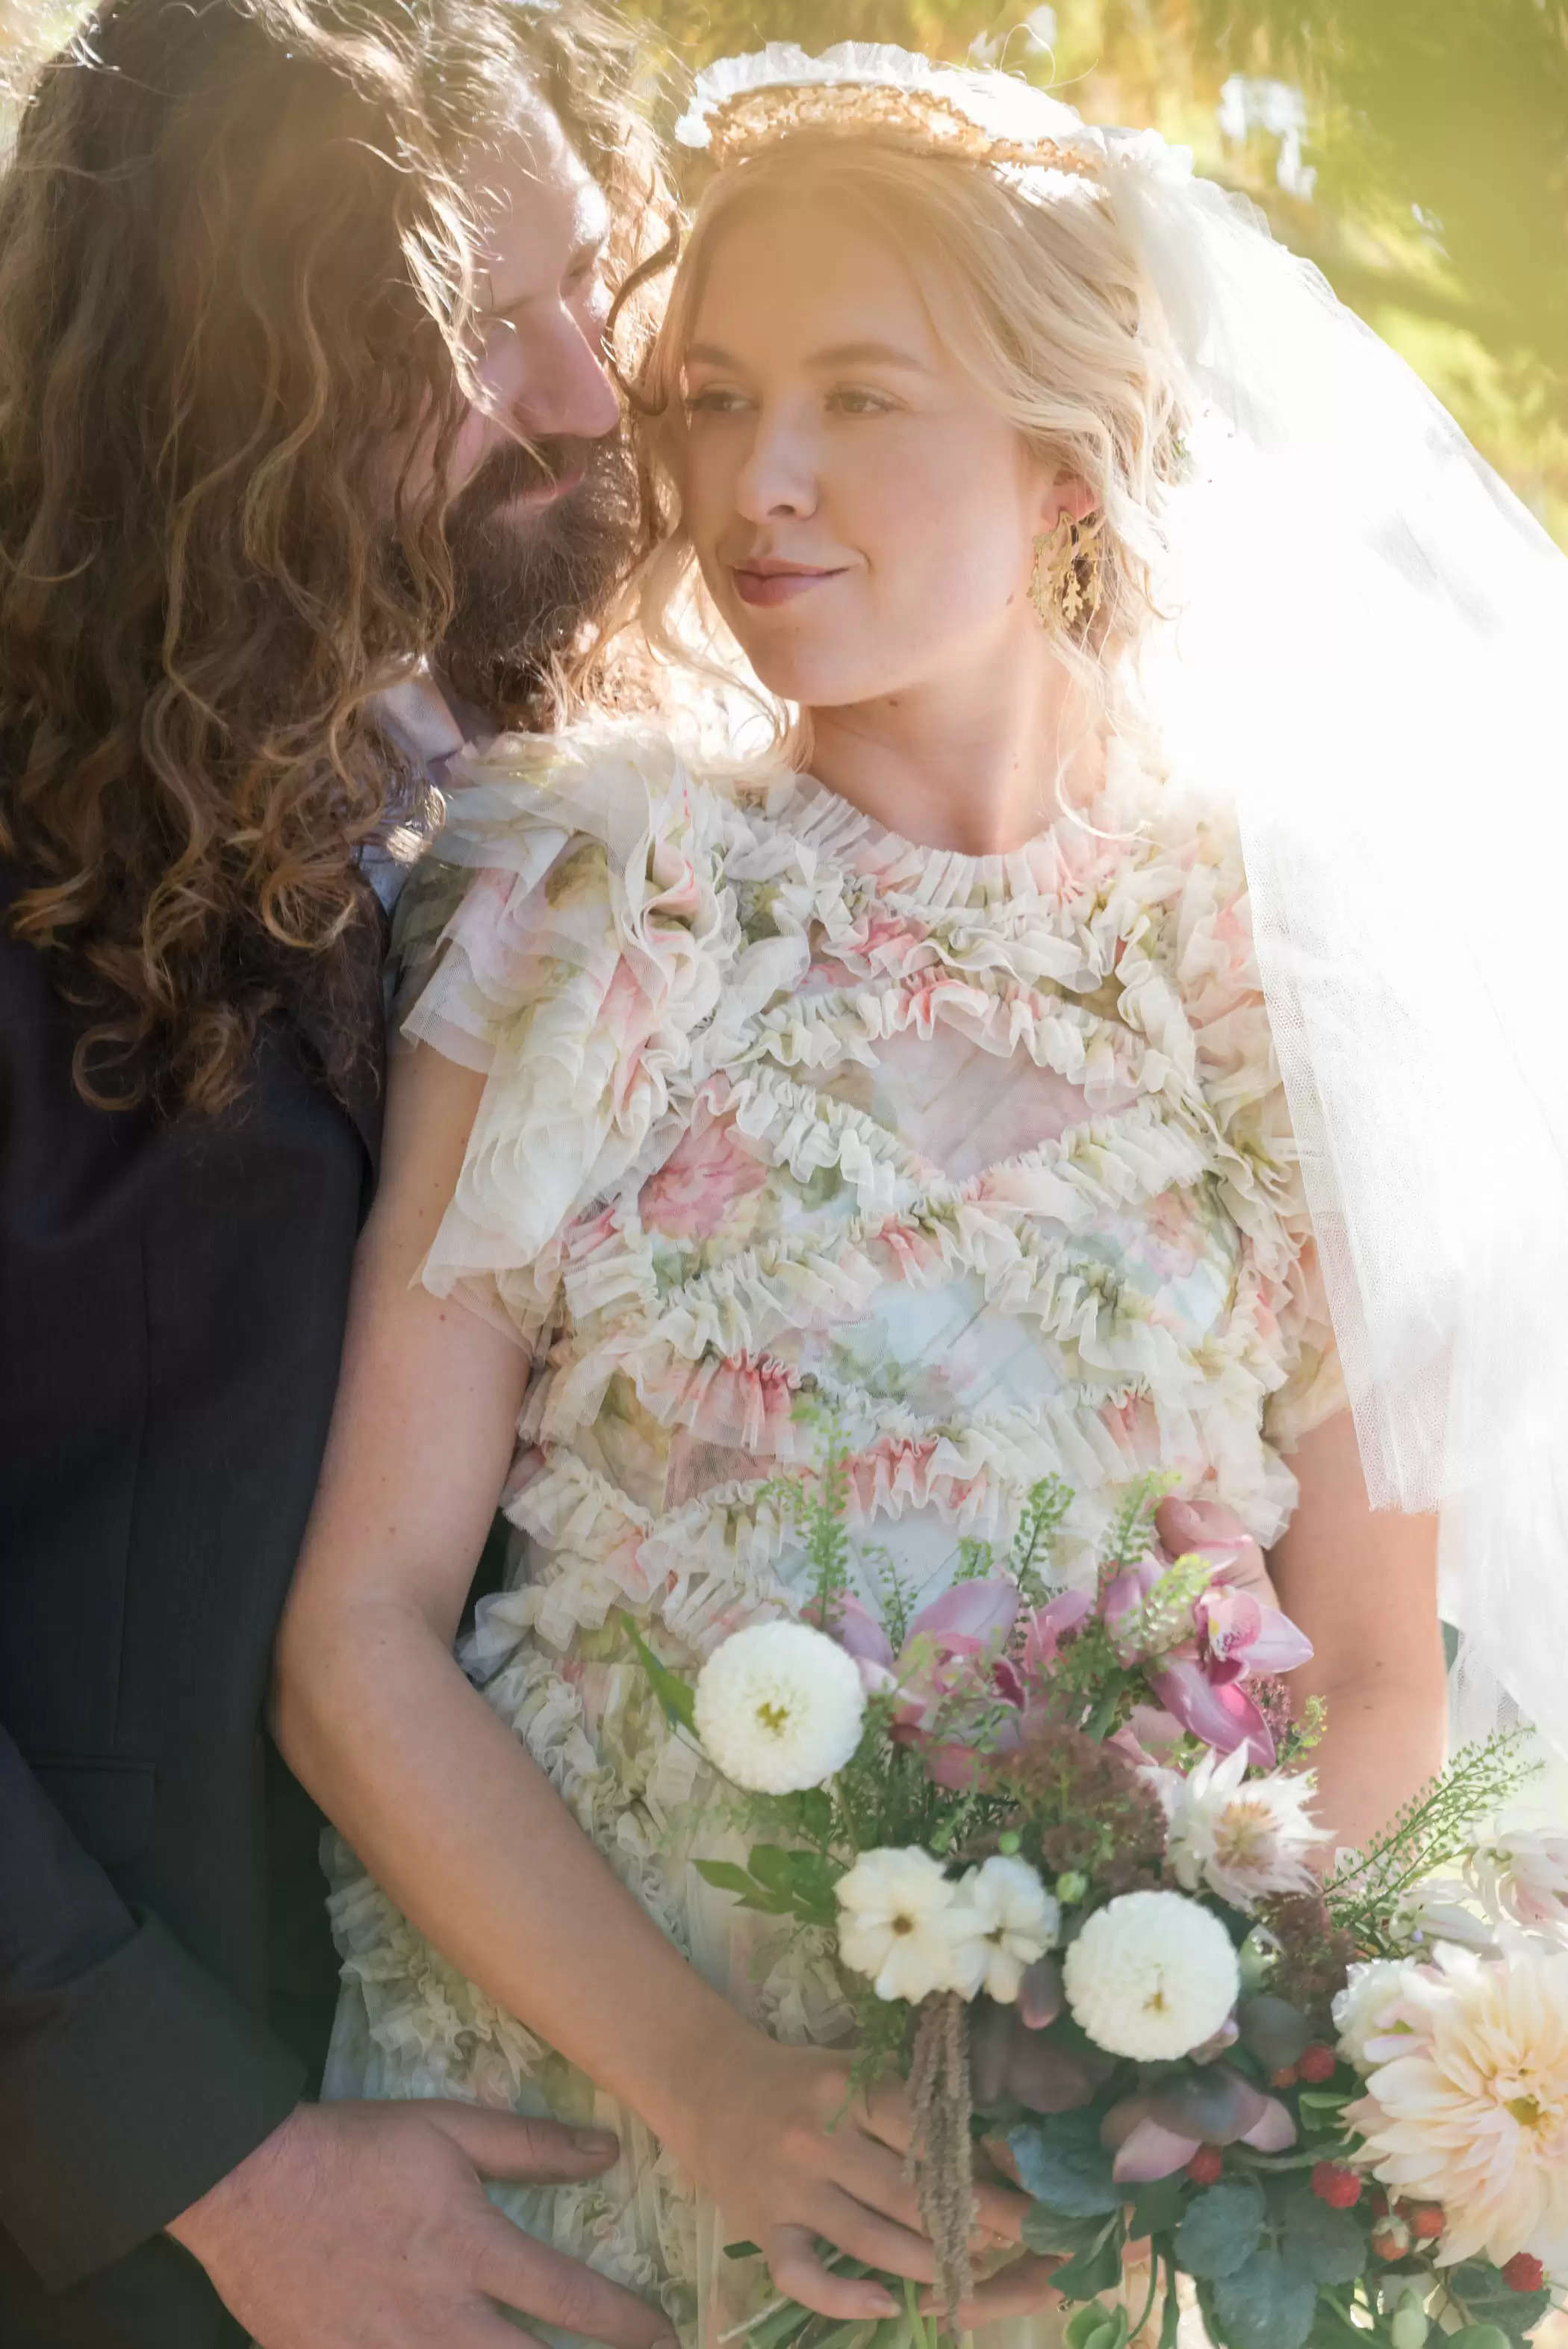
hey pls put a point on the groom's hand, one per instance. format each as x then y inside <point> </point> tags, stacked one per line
<point>364,2226</point>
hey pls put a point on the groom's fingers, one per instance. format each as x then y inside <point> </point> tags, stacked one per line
<point>550,2289</point>
<point>522,2151</point>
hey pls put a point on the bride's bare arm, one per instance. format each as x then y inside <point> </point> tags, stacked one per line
<point>1362,1585</point>
<point>450,1814</point>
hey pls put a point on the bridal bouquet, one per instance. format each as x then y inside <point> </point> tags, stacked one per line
<point>1063,1850</point>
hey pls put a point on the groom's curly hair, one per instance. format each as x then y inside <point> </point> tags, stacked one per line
<point>236,270</point>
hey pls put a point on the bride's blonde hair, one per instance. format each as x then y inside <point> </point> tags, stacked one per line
<point>1032,292</point>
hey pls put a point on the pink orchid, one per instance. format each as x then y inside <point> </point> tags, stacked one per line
<point>1156,2132</point>
<point>953,1648</point>
<point>1199,1680</point>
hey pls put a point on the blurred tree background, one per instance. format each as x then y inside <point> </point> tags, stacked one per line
<point>1416,149</point>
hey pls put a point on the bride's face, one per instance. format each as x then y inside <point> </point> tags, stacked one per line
<point>864,520</point>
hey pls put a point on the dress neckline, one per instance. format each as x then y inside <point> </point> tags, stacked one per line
<point>1054,862</point>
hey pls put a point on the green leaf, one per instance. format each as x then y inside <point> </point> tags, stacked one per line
<point>773,1866</point>
<point>1094,2326</point>
<point>677,1697</point>
<point>1324,2245</point>
<point>1054,2232</point>
<point>1477,2336</point>
<point>741,2252</point>
<point>1170,2314</point>
<point>1158,2207</point>
<point>1222,2227</point>
<point>1061,2161</point>
<point>1095,2269</point>
<point>1482,2297</point>
<point>725,1877</point>
<point>1263,2304</point>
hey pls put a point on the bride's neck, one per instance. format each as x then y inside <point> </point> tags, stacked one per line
<point>980,765</point>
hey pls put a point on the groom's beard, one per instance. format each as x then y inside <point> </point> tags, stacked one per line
<point>530,578</point>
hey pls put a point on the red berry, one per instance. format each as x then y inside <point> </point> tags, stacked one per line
<point>1391,2239</point>
<point>1426,2221</point>
<point>1206,2165</point>
<point>1286,2077</point>
<point>1339,2186</point>
<point>1317,2064</point>
<point>1523,2273</point>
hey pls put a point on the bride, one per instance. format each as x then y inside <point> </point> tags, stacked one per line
<point>919,1067</point>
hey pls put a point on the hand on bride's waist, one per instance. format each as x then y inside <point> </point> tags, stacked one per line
<point>772,2135</point>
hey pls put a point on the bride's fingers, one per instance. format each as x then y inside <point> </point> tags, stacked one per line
<point>866,2235</point>
<point>797,2269</point>
<point>1021,2289</point>
<point>883,2113</point>
<point>873,2174</point>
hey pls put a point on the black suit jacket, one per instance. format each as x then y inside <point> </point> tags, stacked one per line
<point>171,1311</point>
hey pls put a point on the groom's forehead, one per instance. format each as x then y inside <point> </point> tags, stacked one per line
<point>542,213</point>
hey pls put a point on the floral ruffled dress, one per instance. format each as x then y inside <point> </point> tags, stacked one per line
<point>985,1157</point>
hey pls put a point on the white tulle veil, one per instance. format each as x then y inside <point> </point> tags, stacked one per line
<point>1370,659</point>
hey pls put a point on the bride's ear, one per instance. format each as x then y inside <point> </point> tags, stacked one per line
<point>1064,494</point>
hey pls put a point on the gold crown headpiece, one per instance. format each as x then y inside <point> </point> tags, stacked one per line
<point>743,106</point>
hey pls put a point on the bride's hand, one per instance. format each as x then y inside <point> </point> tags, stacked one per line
<point>771,2133</point>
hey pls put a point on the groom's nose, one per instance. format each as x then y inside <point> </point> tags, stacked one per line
<point>551,380</point>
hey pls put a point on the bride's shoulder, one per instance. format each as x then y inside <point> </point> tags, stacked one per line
<point>626,782</point>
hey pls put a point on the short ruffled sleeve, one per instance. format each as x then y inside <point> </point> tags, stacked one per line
<point>568,935</point>
<point>1281,1290</point>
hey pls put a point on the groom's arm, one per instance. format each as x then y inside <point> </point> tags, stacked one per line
<point>130,2081</point>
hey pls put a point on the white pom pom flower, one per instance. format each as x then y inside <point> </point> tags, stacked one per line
<point>1011,1920</point>
<point>1152,1975</point>
<point>900,1922</point>
<point>779,1708</point>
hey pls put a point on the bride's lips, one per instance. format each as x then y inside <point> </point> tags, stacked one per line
<point>778,583</point>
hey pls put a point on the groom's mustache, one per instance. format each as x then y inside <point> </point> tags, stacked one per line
<point>525,469</point>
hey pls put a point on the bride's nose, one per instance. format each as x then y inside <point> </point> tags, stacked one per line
<point>779,476</point>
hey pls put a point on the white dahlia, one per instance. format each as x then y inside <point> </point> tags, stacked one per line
<point>1473,2110</point>
<point>1243,1838</point>
<point>779,1708</point>
<point>1011,1920</point>
<point>899,1921</point>
<point>1362,2009</point>
<point>1151,1975</point>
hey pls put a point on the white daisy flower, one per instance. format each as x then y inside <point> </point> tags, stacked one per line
<point>899,1921</point>
<point>1523,1876</point>
<point>1152,1975</point>
<point>1243,1837</point>
<point>779,1708</point>
<point>1013,1921</point>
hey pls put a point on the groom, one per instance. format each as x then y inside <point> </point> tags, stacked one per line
<point>261,457</point>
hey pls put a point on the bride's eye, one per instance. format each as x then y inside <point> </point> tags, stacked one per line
<point>855,400</point>
<point>717,399</point>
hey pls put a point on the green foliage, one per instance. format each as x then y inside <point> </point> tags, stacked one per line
<point>675,1696</point>
<point>1132,1530</point>
<point>1325,2245</point>
<point>1264,2304</point>
<point>1435,1828</point>
<point>1222,2227</point>
<point>1477,2292</point>
<point>779,1883</point>
<point>1063,2164</point>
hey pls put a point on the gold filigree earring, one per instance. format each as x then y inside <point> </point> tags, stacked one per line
<point>1064,585</point>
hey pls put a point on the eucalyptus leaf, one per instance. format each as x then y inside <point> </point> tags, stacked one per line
<point>1158,2206</point>
<point>1096,2268</point>
<point>1170,2314</point>
<point>1062,2162</point>
<point>1325,2245</point>
<point>678,1696</point>
<point>1220,2228</point>
<point>1263,2304</point>
<point>1479,2292</point>
<point>1056,2234</point>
